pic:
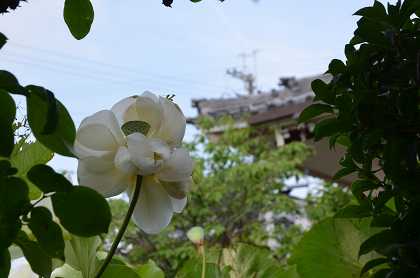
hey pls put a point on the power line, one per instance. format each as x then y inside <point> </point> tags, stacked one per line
<point>90,61</point>
<point>83,75</point>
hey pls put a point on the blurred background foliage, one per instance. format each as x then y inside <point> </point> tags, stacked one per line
<point>239,197</point>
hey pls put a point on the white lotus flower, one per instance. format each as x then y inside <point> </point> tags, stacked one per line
<point>110,161</point>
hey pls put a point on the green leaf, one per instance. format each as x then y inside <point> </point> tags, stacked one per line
<point>344,172</point>
<point>42,121</point>
<point>289,272</point>
<point>3,40</point>
<point>81,254</point>
<point>6,169</point>
<point>7,108</point>
<point>7,116</point>
<point>27,155</point>
<point>322,91</point>
<point>354,211</point>
<point>78,15</point>
<point>8,82</point>
<point>327,128</point>
<point>135,126</point>
<point>46,179</point>
<point>372,264</point>
<point>336,67</point>
<point>359,188</point>
<point>47,232</point>
<point>119,270</point>
<point>150,270</point>
<point>382,242</point>
<point>330,249</point>
<point>13,201</point>
<point>5,262</point>
<point>193,269</point>
<point>40,262</point>
<point>313,111</point>
<point>82,211</point>
<point>251,261</point>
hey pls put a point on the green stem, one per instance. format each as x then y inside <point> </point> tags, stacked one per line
<point>123,228</point>
<point>203,272</point>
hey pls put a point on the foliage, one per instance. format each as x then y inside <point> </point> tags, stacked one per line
<point>373,102</point>
<point>330,249</point>
<point>327,201</point>
<point>25,181</point>
<point>239,178</point>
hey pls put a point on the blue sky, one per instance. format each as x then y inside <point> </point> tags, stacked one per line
<point>141,45</point>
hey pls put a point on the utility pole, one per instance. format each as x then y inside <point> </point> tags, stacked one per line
<point>249,78</point>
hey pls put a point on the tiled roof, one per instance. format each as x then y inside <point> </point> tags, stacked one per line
<point>299,92</point>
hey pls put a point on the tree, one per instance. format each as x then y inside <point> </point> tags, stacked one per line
<point>372,105</point>
<point>239,179</point>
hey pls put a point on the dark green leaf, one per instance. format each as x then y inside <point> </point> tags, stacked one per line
<point>6,169</point>
<point>344,172</point>
<point>382,242</point>
<point>313,111</point>
<point>13,201</point>
<point>5,263</point>
<point>82,211</point>
<point>372,264</point>
<point>7,108</point>
<point>336,67</point>
<point>353,211</point>
<point>47,232</point>
<point>360,186</point>
<point>385,219</point>
<point>326,128</point>
<point>135,126</point>
<point>383,273</point>
<point>7,140</point>
<point>7,116</point>
<point>3,40</point>
<point>377,12</point>
<point>119,270</point>
<point>78,15</point>
<point>40,262</point>
<point>41,119</point>
<point>8,82</point>
<point>322,91</point>
<point>46,179</point>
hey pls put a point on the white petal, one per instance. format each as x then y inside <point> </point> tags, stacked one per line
<point>21,269</point>
<point>94,131</point>
<point>154,209</point>
<point>149,110</point>
<point>66,271</point>
<point>147,154</point>
<point>82,151</point>
<point>109,183</point>
<point>123,161</point>
<point>125,110</point>
<point>178,204</point>
<point>177,189</point>
<point>172,128</point>
<point>178,167</point>
<point>98,164</point>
